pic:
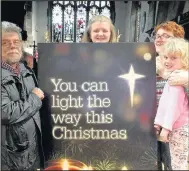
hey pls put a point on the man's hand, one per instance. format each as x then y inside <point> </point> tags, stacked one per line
<point>178,77</point>
<point>164,135</point>
<point>38,92</point>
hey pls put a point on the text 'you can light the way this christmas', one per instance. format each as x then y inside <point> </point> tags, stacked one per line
<point>65,118</point>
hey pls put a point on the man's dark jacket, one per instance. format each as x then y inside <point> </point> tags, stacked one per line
<point>20,120</point>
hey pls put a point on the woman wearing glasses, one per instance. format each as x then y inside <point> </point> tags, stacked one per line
<point>163,32</point>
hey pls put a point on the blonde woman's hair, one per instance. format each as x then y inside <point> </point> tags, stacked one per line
<point>99,18</point>
<point>178,47</point>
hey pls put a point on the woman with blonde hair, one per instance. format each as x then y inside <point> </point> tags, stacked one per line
<point>172,114</point>
<point>100,29</point>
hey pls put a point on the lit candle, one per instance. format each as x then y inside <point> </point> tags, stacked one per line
<point>85,168</point>
<point>124,168</point>
<point>90,168</point>
<point>65,165</point>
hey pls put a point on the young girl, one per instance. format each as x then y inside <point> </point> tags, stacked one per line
<point>173,111</point>
<point>100,30</point>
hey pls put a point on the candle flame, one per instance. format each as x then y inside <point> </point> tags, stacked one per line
<point>90,168</point>
<point>163,167</point>
<point>124,168</point>
<point>65,165</point>
<point>87,168</point>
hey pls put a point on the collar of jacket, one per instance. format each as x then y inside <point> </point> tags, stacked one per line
<point>8,75</point>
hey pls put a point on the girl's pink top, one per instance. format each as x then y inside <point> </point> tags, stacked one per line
<point>173,110</point>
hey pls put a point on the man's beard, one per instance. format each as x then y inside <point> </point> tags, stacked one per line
<point>13,60</point>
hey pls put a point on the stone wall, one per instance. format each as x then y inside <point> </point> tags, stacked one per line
<point>28,28</point>
<point>128,13</point>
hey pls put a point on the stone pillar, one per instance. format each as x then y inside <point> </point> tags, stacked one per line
<point>41,20</point>
<point>162,12</point>
<point>134,21</point>
<point>34,20</point>
<point>127,17</point>
<point>151,14</point>
<point>145,21</point>
<point>119,18</point>
<point>173,9</point>
<point>186,7</point>
<point>28,27</point>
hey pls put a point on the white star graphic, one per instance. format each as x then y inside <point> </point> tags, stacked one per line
<point>131,76</point>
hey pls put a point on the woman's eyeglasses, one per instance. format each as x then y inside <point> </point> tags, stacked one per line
<point>165,36</point>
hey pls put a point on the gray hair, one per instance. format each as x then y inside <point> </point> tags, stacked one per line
<point>11,27</point>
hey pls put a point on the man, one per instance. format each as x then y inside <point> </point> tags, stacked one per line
<point>21,100</point>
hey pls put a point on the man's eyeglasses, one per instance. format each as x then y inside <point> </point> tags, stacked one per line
<point>165,36</point>
<point>7,43</point>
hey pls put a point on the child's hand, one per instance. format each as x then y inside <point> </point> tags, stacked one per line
<point>164,135</point>
<point>158,128</point>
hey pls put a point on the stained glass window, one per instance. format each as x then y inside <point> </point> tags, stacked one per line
<point>57,24</point>
<point>69,18</point>
<point>69,24</point>
<point>80,22</point>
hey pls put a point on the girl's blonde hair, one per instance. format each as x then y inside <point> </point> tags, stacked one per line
<point>178,47</point>
<point>99,18</point>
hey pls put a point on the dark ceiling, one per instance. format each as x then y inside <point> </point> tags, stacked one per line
<point>13,11</point>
